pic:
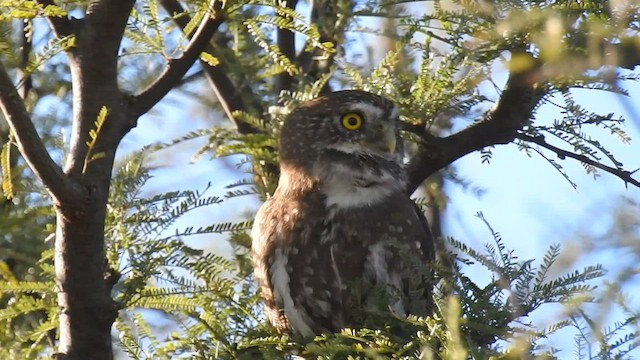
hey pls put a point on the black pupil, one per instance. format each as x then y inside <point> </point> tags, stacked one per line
<point>352,120</point>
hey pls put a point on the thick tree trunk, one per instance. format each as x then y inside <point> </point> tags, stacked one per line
<point>87,311</point>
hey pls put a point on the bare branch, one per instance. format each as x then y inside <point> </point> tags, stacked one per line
<point>31,147</point>
<point>93,64</point>
<point>287,46</point>
<point>25,51</point>
<point>177,68</point>
<point>229,96</point>
<point>562,154</point>
<point>60,25</point>
<point>314,65</point>
<point>621,52</point>
<point>107,20</point>
<point>498,126</point>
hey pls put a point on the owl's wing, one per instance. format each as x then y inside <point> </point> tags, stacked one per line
<point>427,242</point>
<point>427,246</point>
<point>279,268</point>
<point>263,249</point>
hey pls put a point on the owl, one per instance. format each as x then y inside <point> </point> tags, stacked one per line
<point>340,230</point>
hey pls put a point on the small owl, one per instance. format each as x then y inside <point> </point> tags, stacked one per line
<point>340,225</point>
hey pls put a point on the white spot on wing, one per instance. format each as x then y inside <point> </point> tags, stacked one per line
<point>376,266</point>
<point>395,112</point>
<point>334,266</point>
<point>280,281</point>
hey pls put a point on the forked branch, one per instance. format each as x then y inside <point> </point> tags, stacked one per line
<point>31,146</point>
<point>60,25</point>
<point>500,125</point>
<point>178,67</point>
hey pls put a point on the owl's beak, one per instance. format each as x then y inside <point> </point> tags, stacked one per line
<point>389,137</point>
<point>382,138</point>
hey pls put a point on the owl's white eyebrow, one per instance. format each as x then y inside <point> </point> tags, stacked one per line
<point>370,111</point>
<point>395,112</point>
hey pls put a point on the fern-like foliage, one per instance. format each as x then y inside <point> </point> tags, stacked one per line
<point>93,134</point>
<point>28,312</point>
<point>200,294</point>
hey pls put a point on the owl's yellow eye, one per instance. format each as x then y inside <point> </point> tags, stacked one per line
<point>352,121</point>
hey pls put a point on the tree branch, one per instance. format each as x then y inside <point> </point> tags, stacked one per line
<point>60,25</point>
<point>229,96</point>
<point>31,146</point>
<point>108,20</point>
<point>626,52</point>
<point>93,64</point>
<point>329,28</point>
<point>498,126</point>
<point>177,68</point>
<point>562,154</point>
<point>25,51</point>
<point>621,52</point>
<point>287,46</point>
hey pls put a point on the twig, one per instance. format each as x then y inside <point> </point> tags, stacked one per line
<point>321,13</point>
<point>25,50</point>
<point>228,94</point>
<point>287,46</point>
<point>31,146</point>
<point>562,154</point>
<point>178,67</point>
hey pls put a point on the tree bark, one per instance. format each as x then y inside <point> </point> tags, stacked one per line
<point>87,310</point>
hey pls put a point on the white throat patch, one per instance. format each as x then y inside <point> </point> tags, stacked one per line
<point>343,191</point>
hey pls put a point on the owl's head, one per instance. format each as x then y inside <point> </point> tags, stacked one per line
<point>351,122</point>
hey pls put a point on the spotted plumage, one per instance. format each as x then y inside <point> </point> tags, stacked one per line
<point>339,222</point>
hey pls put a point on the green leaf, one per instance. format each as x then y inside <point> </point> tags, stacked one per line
<point>209,59</point>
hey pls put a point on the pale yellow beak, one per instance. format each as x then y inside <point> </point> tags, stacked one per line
<point>382,138</point>
<point>389,139</point>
